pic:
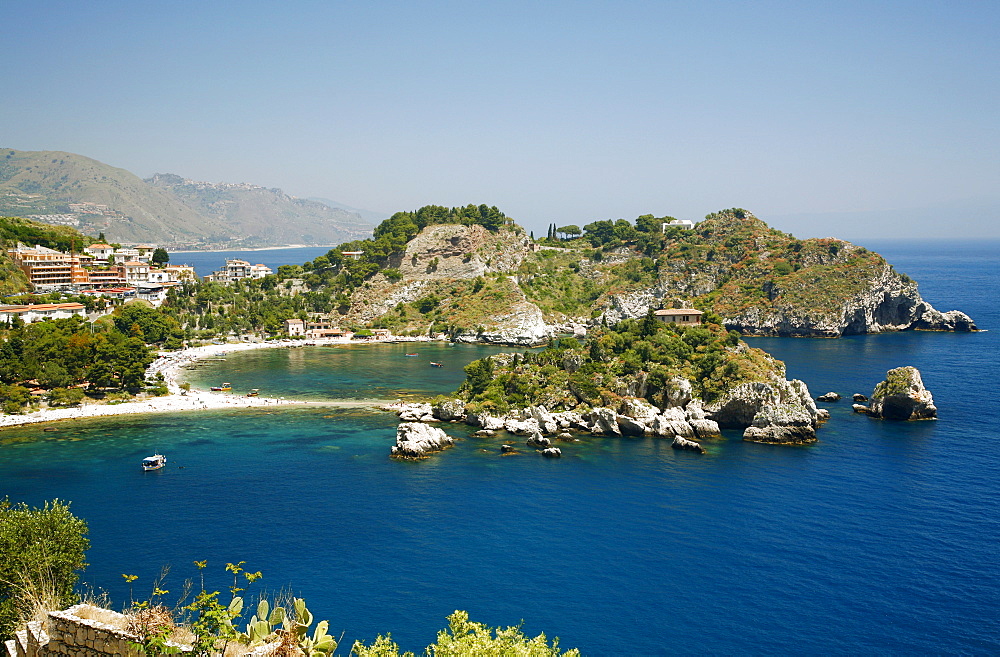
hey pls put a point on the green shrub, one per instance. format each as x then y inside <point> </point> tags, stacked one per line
<point>41,551</point>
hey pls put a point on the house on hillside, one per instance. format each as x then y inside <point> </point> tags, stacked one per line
<point>36,312</point>
<point>294,327</point>
<point>686,224</point>
<point>681,316</point>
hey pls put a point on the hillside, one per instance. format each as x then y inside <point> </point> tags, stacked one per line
<point>471,273</point>
<point>265,216</point>
<point>73,190</point>
<point>759,280</point>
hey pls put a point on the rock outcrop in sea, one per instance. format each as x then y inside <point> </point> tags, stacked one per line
<point>779,412</point>
<point>902,396</point>
<point>416,440</point>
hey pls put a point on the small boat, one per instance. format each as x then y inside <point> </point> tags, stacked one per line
<point>253,393</point>
<point>435,364</point>
<point>225,387</point>
<point>154,462</point>
<point>412,354</point>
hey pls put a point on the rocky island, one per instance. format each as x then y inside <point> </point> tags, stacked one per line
<point>639,378</point>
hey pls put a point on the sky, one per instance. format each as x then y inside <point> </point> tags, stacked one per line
<point>841,118</point>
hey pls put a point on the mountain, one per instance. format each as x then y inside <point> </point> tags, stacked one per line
<point>268,217</point>
<point>367,215</point>
<point>73,190</point>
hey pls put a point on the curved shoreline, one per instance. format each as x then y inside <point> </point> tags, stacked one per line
<point>169,364</point>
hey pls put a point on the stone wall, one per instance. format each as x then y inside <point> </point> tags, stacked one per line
<point>71,635</point>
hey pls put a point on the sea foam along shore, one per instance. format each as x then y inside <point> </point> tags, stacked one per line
<point>169,364</point>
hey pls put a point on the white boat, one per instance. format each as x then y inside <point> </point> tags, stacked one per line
<point>154,462</point>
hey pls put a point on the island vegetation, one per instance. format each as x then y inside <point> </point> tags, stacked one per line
<point>635,358</point>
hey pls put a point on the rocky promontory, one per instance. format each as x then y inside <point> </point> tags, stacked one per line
<point>765,282</point>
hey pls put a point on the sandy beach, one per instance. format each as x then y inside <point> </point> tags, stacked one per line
<point>169,363</point>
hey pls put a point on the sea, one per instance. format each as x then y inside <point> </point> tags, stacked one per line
<point>206,262</point>
<point>882,538</point>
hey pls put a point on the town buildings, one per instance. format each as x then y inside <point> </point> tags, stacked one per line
<point>48,269</point>
<point>236,270</point>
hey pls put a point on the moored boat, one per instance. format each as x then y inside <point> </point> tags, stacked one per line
<point>254,392</point>
<point>436,364</point>
<point>225,387</point>
<point>154,462</point>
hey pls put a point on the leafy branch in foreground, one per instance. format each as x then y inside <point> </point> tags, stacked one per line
<point>464,637</point>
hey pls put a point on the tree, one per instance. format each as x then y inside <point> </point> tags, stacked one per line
<point>41,551</point>
<point>465,637</point>
<point>160,257</point>
<point>570,231</point>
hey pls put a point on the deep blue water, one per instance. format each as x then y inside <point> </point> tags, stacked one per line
<point>206,262</point>
<point>882,538</point>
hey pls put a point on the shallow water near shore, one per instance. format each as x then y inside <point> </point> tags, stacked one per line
<point>881,538</point>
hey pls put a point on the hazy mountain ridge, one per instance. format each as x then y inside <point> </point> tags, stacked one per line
<point>65,188</point>
<point>266,214</point>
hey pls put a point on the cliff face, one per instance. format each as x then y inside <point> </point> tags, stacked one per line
<point>456,279</point>
<point>886,302</point>
<point>764,282</point>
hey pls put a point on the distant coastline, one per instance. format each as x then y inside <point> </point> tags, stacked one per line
<point>263,248</point>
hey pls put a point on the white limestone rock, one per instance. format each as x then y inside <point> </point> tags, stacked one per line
<point>538,440</point>
<point>417,412</point>
<point>782,424</point>
<point>450,409</point>
<point>416,440</point>
<point>521,427</point>
<point>705,429</point>
<point>690,445</point>
<point>603,421</point>
<point>902,396</point>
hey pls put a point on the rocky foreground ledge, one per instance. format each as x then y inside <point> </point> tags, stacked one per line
<point>777,413</point>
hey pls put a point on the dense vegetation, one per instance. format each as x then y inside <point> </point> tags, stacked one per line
<point>67,357</point>
<point>326,283</point>
<point>41,551</point>
<point>636,358</point>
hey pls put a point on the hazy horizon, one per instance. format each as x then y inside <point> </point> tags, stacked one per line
<point>861,119</point>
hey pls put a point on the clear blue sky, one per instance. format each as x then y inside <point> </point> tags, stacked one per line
<point>837,118</point>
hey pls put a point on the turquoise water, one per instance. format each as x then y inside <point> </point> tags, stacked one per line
<point>881,538</point>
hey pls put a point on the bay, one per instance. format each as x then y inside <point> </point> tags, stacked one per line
<point>881,538</point>
<point>206,262</point>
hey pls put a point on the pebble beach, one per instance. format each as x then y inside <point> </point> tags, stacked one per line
<point>169,364</point>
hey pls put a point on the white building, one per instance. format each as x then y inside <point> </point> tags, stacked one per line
<point>679,223</point>
<point>236,270</point>
<point>136,272</point>
<point>34,313</point>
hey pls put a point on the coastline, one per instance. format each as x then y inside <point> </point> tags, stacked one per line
<point>169,364</point>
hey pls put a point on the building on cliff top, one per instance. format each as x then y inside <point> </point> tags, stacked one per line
<point>682,316</point>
